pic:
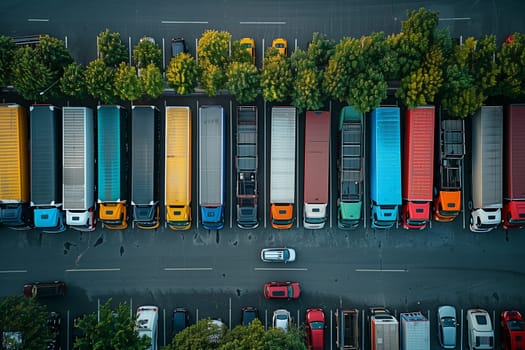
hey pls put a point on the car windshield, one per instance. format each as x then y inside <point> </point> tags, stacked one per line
<point>286,254</point>
<point>282,317</point>
<point>279,46</point>
<point>290,291</point>
<point>449,322</point>
<point>317,325</point>
<point>246,46</point>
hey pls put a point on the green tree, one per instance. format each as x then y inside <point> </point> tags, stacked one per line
<point>239,54</point>
<point>73,81</point>
<point>53,53</point>
<point>111,49</point>
<point>276,77</point>
<point>182,74</point>
<point>128,85</point>
<point>213,48</point>
<point>212,78</point>
<point>146,52</point>
<point>276,339</point>
<point>511,59</point>
<point>243,81</point>
<point>196,337</point>
<point>307,84</point>
<point>114,330</point>
<point>100,81</point>
<point>31,76</point>
<point>152,81</point>
<point>20,314</point>
<point>320,50</point>
<point>7,53</point>
<point>250,337</point>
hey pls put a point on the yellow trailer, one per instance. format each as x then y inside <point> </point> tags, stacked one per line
<point>178,168</point>
<point>14,165</point>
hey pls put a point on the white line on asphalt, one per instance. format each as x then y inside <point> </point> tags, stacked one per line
<point>455,19</point>
<point>13,271</point>
<point>188,268</point>
<point>184,22</point>
<point>280,269</point>
<point>93,270</point>
<point>38,19</point>
<point>381,270</point>
<point>266,23</point>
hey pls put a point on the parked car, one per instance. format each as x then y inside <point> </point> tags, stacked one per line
<point>180,319</point>
<point>178,45</point>
<point>282,290</point>
<point>315,324</point>
<point>282,319</point>
<point>221,329</point>
<point>53,322</point>
<point>284,255</point>
<point>147,324</point>
<point>447,326</point>
<point>248,44</point>
<point>281,45</point>
<point>248,314</point>
<point>45,289</point>
<point>512,328</point>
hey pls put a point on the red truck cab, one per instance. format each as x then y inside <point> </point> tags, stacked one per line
<point>512,330</point>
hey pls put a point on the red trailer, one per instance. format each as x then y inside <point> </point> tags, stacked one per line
<point>418,167</point>
<point>514,169</point>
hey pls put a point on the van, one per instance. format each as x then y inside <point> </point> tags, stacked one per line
<point>180,319</point>
<point>480,330</point>
<point>278,255</point>
<point>147,324</point>
<point>45,289</point>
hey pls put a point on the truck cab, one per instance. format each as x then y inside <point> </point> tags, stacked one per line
<point>512,330</point>
<point>384,329</point>
<point>479,329</point>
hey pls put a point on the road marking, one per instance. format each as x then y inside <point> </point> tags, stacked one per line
<point>381,270</point>
<point>184,22</point>
<point>265,23</point>
<point>188,268</point>
<point>280,269</point>
<point>13,271</point>
<point>455,19</point>
<point>93,270</point>
<point>38,19</point>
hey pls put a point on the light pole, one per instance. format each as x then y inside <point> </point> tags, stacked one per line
<point>49,87</point>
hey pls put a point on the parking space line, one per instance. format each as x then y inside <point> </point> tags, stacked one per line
<point>280,269</point>
<point>188,268</point>
<point>264,23</point>
<point>13,271</point>
<point>184,22</point>
<point>381,270</point>
<point>38,19</point>
<point>93,270</point>
<point>455,19</point>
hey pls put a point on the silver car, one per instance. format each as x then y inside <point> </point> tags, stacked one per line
<point>447,326</point>
<point>283,255</point>
<point>282,319</point>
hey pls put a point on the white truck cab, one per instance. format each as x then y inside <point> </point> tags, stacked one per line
<point>480,329</point>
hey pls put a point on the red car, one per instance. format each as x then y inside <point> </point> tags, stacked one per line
<point>315,323</point>
<point>282,290</point>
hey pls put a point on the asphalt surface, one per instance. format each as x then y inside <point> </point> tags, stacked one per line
<point>214,275</point>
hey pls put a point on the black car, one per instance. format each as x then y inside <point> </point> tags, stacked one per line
<point>178,45</point>
<point>248,314</point>
<point>53,322</point>
<point>180,319</point>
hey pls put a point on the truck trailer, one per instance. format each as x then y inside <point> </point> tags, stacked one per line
<point>212,159</point>
<point>384,329</point>
<point>447,203</point>
<point>79,167</point>
<point>347,328</point>
<point>415,331</point>
<point>514,167</point>
<point>145,154</point>
<point>282,167</point>
<point>316,168</point>
<point>350,164</point>
<point>112,166</point>
<point>487,169</point>
<point>418,167</point>
<point>46,168</point>
<point>385,167</point>
<point>178,163</point>
<point>14,167</point>
<point>246,163</point>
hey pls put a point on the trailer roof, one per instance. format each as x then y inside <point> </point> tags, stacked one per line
<point>515,152</point>
<point>316,156</point>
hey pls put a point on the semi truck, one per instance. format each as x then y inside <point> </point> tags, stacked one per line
<point>447,203</point>
<point>282,167</point>
<point>415,331</point>
<point>487,169</point>
<point>480,333</point>
<point>212,158</point>
<point>178,162</point>
<point>14,167</point>
<point>385,167</point>
<point>112,167</point>
<point>418,167</point>
<point>246,164</point>
<point>46,168</point>
<point>514,185</point>
<point>512,329</point>
<point>350,163</point>
<point>347,328</point>
<point>384,329</point>
<point>316,168</point>
<point>78,173</point>
<point>145,134</point>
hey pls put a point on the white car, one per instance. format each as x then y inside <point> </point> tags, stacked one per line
<point>147,324</point>
<point>284,255</point>
<point>282,319</point>
<point>221,329</point>
<point>447,326</point>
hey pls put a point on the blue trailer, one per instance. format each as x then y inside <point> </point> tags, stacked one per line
<point>385,167</point>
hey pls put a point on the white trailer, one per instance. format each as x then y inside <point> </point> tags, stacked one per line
<point>415,331</point>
